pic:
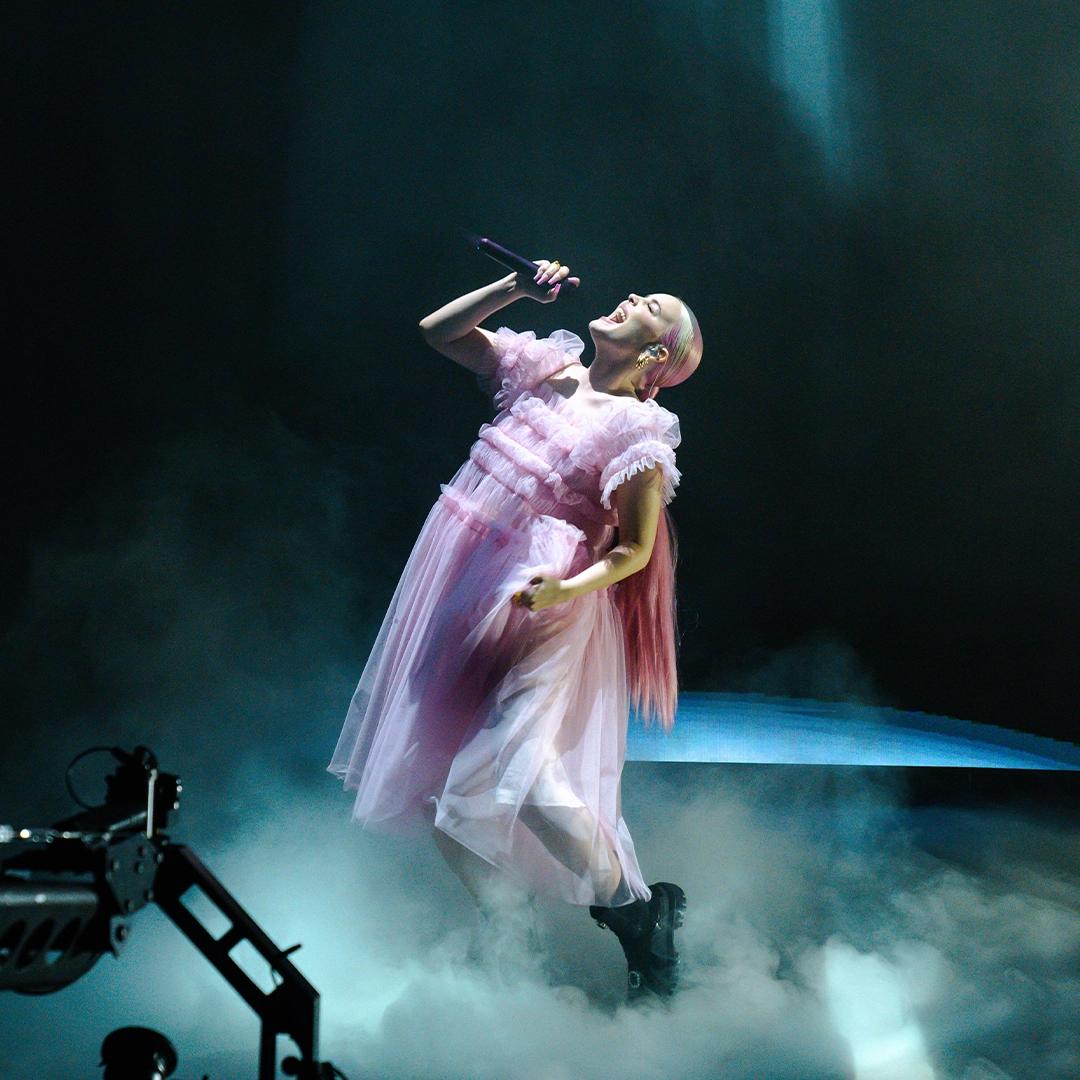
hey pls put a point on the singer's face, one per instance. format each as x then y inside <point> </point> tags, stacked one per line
<point>638,320</point>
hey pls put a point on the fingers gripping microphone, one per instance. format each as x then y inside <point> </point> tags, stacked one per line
<point>511,260</point>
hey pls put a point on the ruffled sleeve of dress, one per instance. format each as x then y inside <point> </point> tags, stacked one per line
<point>637,438</point>
<point>523,361</point>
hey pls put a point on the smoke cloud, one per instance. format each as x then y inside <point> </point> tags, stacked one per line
<point>831,932</point>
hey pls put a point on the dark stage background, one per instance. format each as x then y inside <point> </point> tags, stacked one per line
<point>224,431</point>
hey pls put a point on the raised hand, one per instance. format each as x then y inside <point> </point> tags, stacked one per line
<point>548,282</point>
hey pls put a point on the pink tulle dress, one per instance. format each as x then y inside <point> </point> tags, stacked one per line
<point>507,727</point>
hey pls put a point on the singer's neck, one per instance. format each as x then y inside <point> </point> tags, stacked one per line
<point>611,378</point>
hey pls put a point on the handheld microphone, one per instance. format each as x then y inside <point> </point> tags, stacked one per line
<point>511,260</point>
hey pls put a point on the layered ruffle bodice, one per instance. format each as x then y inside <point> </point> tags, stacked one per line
<point>555,454</point>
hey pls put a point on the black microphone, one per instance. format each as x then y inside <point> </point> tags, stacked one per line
<point>511,260</point>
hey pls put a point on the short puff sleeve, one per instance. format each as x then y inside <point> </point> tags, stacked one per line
<point>638,439</point>
<point>523,361</point>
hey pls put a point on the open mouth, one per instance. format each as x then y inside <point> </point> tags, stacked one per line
<point>617,316</point>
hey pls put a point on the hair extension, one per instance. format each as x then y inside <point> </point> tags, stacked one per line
<point>647,608</point>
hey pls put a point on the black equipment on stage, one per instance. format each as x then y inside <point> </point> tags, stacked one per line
<point>69,894</point>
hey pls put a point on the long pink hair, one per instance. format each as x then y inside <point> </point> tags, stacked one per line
<point>647,608</point>
<point>646,601</point>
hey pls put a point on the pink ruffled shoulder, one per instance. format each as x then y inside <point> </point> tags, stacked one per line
<point>636,438</point>
<point>523,361</point>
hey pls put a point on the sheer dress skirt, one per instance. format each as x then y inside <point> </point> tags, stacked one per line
<point>506,728</point>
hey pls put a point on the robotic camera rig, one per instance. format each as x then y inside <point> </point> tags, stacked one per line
<point>70,892</point>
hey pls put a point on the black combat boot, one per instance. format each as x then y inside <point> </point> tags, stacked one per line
<point>646,932</point>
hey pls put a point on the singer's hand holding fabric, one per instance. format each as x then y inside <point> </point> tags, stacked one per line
<point>548,281</point>
<point>542,592</point>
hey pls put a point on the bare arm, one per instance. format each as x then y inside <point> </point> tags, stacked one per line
<point>453,330</point>
<point>638,502</point>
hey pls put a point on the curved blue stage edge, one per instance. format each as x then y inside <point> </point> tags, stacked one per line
<point>752,729</point>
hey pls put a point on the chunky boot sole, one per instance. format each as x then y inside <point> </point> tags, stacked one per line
<point>661,958</point>
<point>647,936</point>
